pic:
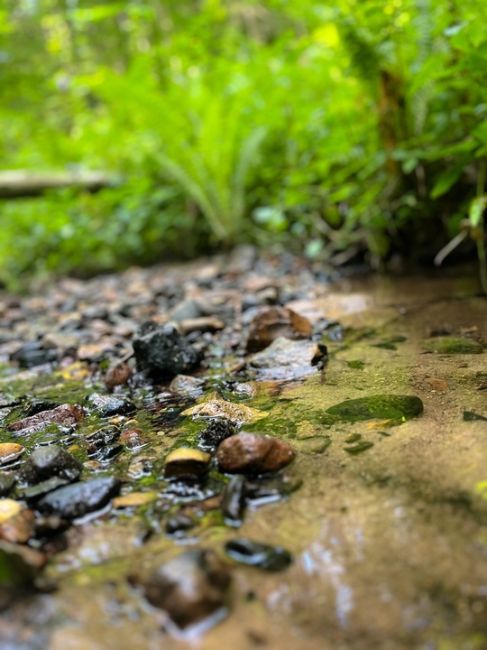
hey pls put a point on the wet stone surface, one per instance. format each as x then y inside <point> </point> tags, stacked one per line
<point>251,453</point>
<point>163,353</point>
<point>80,498</point>
<point>263,556</point>
<point>233,453</point>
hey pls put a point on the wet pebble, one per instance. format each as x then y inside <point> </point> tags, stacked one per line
<point>269,489</point>
<point>35,492</point>
<point>252,453</point>
<point>140,467</point>
<point>132,438</point>
<point>118,375</point>
<point>108,405</point>
<point>186,462</point>
<point>163,353</point>
<point>77,499</point>
<point>34,353</point>
<point>216,431</point>
<point>286,359</point>
<point>190,588</point>
<point>233,501</point>
<point>64,415</point>
<point>219,408</point>
<point>47,462</point>
<point>102,444</point>
<point>187,386</point>
<point>9,452</point>
<point>263,556</point>
<point>274,322</point>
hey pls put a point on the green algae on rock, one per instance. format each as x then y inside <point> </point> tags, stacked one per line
<point>452,345</point>
<point>359,447</point>
<point>390,407</point>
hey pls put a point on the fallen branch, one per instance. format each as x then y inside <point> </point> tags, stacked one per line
<point>17,184</point>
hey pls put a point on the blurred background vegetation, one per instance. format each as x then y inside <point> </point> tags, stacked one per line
<point>353,130</point>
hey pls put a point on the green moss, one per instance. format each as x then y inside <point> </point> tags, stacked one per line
<point>359,447</point>
<point>452,345</point>
<point>313,445</point>
<point>384,407</point>
<point>356,364</point>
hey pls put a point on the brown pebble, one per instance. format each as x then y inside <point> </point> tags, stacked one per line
<point>132,438</point>
<point>64,415</point>
<point>118,375</point>
<point>253,453</point>
<point>272,322</point>
<point>19,528</point>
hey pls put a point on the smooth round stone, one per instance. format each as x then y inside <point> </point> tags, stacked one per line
<point>253,453</point>
<point>77,499</point>
<point>10,451</point>
<point>186,462</point>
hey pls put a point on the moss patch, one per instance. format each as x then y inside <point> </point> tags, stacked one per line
<point>452,345</point>
<point>391,407</point>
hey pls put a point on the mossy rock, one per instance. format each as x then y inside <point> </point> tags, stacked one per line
<point>390,407</point>
<point>14,570</point>
<point>452,345</point>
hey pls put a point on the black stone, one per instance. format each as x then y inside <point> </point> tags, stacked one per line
<point>216,431</point>
<point>77,499</point>
<point>33,354</point>
<point>471,416</point>
<point>270,489</point>
<point>49,461</point>
<point>101,438</point>
<point>233,501</point>
<point>263,556</point>
<point>106,453</point>
<point>163,353</point>
<point>40,489</point>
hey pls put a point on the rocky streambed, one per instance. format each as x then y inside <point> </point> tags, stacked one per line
<point>240,451</point>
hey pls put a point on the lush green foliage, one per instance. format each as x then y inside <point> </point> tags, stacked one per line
<point>352,126</point>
